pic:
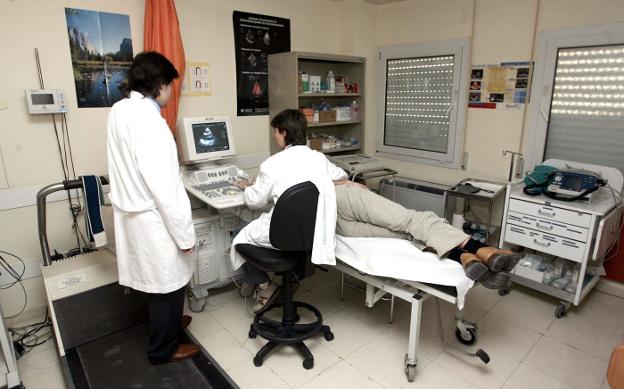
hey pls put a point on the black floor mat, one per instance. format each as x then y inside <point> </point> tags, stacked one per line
<point>120,361</point>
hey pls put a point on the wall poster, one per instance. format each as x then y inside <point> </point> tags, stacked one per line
<point>197,78</point>
<point>506,84</point>
<point>255,37</point>
<point>100,44</point>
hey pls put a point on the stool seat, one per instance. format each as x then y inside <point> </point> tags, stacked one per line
<point>271,260</point>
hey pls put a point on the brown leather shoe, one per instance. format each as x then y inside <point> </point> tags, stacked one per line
<point>186,320</point>
<point>474,268</point>
<point>185,350</point>
<point>497,259</point>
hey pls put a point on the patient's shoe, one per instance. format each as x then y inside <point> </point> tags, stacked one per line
<point>186,320</point>
<point>265,297</point>
<point>497,259</point>
<point>495,280</point>
<point>474,268</point>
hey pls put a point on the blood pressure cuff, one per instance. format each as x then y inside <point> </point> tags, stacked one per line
<point>538,179</point>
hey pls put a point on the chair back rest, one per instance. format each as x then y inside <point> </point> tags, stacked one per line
<point>294,218</point>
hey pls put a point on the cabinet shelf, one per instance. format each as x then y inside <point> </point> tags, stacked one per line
<point>325,124</point>
<point>285,92</point>
<point>340,149</point>
<point>330,94</point>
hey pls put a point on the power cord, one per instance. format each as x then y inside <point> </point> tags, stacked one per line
<point>17,276</point>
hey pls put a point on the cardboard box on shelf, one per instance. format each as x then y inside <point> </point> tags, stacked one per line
<point>315,143</point>
<point>327,116</point>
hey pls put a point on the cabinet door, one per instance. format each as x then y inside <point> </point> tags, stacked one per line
<point>551,213</point>
<point>548,226</point>
<point>550,244</point>
<point>608,232</point>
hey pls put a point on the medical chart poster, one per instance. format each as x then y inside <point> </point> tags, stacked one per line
<point>100,45</point>
<point>198,79</point>
<point>255,37</point>
<point>505,85</point>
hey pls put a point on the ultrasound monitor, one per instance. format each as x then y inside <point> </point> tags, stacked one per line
<point>206,138</point>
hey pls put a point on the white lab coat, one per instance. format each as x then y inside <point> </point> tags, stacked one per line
<point>294,165</point>
<point>151,209</point>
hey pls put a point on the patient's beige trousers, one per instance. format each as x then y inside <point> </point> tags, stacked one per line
<point>364,213</point>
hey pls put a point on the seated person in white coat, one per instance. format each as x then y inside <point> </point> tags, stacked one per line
<point>296,163</point>
<point>360,212</point>
<point>154,234</point>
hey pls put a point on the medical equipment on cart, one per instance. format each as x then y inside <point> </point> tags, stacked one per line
<point>397,267</point>
<point>356,163</point>
<point>205,138</point>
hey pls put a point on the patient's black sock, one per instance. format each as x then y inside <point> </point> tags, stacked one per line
<point>473,245</point>
<point>455,254</point>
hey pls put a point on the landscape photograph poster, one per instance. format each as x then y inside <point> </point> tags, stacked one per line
<point>101,53</point>
<point>255,37</point>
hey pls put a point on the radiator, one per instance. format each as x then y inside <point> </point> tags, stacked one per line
<point>415,194</point>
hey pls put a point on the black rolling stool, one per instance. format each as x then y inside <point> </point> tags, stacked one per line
<point>292,233</point>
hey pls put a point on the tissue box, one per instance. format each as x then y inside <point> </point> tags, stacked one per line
<point>315,83</point>
<point>343,114</point>
<point>327,116</point>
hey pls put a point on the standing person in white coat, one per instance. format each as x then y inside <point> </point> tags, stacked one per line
<point>154,234</point>
<point>296,163</point>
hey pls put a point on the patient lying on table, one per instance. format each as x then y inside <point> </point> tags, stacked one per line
<point>363,213</point>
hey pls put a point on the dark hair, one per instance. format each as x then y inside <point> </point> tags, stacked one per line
<point>149,71</point>
<point>294,124</point>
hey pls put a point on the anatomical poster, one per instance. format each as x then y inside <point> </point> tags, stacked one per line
<point>255,37</point>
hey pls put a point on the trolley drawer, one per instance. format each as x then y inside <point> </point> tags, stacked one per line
<point>548,226</point>
<point>546,212</point>
<point>547,243</point>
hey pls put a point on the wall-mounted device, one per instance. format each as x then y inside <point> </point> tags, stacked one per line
<point>45,101</point>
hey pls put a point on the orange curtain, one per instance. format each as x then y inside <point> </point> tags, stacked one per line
<point>162,34</point>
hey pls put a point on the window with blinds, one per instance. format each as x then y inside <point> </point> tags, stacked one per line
<point>586,122</point>
<point>419,118</point>
<point>418,101</point>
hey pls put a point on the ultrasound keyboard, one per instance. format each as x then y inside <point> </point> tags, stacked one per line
<point>216,186</point>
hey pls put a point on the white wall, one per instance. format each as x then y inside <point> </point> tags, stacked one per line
<point>503,32</point>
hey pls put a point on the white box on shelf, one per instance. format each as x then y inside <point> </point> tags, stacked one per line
<point>343,114</point>
<point>529,273</point>
<point>315,83</point>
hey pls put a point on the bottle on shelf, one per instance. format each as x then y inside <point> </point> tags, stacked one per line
<point>331,82</point>
<point>355,111</point>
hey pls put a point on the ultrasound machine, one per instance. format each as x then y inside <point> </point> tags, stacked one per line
<point>202,142</point>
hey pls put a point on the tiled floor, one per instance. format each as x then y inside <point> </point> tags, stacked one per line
<point>528,347</point>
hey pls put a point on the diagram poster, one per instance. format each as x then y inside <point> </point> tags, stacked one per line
<point>506,84</point>
<point>255,37</point>
<point>101,53</point>
<point>197,79</point>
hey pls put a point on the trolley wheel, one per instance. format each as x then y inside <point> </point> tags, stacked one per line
<point>561,311</point>
<point>468,337</point>
<point>329,336</point>
<point>505,289</point>
<point>197,305</point>
<point>308,363</point>
<point>257,361</point>
<point>410,370</point>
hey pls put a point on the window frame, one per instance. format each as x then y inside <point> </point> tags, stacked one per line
<point>550,42</point>
<point>453,157</point>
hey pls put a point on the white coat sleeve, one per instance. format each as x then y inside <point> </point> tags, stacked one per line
<point>158,165</point>
<point>336,173</point>
<point>258,195</point>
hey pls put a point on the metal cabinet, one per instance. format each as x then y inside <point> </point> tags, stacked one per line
<point>579,232</point>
